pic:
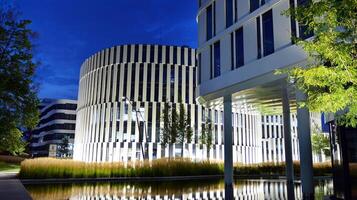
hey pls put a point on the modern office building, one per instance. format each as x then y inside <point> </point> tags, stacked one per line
<point>54,134</point>
<point>122,92</point>
<point>241,44</point>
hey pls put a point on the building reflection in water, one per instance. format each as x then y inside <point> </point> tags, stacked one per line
<point>243,189</point>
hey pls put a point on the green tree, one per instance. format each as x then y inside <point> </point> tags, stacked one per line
<point>12,142</point>
<point>184,128</point>
<point>330,79</point>
<point>169,133</point>
<point>18,98</point>
<point>166,129</point>
<point>320,143</point>
<point>64,147</point>
<point>206,135</point>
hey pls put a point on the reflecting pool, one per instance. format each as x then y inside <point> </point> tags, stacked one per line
<point>170,190</point>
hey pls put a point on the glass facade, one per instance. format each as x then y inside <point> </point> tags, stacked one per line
<point>239,48</point>
<point>229,13</point>
<point>268,33</point>
<point>209,21</point>
<point>217,59</point>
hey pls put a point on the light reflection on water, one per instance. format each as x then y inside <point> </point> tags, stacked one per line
<point>204,189</point>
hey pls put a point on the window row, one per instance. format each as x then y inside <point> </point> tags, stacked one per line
<point>66,106</point>
<point>265,45</point>
<point>55,127</point>
<point>231,16</point>
<point>58,116</point>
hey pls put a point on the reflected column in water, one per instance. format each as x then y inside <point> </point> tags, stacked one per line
<point>228,192</point>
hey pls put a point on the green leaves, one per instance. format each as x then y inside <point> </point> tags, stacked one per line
<point>330,79</point>
<point>18,95</point>
<point>12,142</point>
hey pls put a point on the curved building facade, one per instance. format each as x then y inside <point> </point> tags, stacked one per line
<point>122,93</point>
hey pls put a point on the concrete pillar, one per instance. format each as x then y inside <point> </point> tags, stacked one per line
<point>228,148</point>
<point>287,144</point>
<point>304,134</point>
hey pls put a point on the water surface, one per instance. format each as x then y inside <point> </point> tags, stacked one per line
<point>174,190</point>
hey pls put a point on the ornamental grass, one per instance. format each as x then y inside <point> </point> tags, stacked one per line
<point>41,168</point>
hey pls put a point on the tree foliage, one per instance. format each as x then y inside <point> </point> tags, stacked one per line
<point>12,142</point>
<point>330,79</point>
<point>18,98</point>
<point>206,135</point>
<point>176,126</point>
<point>320,142</point>
<point>184,128</point>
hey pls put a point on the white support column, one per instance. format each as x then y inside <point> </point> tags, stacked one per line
<point>228,157</point>
<point>287,144</point>
<point>304,134</point>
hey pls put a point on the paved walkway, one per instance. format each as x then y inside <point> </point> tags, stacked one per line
<point>12,188</point>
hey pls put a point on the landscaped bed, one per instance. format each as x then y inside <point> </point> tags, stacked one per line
<point>42,168</point>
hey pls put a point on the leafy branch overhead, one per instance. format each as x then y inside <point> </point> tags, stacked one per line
<point>330,79</point>
<point>18,98</point>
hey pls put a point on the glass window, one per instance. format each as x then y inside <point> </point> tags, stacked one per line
<point>304,33</point>
<point>121,57</point>
<point>141,80</point>
<point>136,53</point>
<point>133,81</point>
<point>148,84</point>
<point>144,54</point>
<point>209,22</point>
<point>175,55</point>
<point>199,68</point>
<point>128,54</point>
<point>292,20</point>
<point>268,33</point>
<point>239,48</point>
<point>152,53</point>
<point>125,80</point>
<point>182,56</point>
<point>167,52</point>
<point>217,59</point>
<point>258,38</point>
<point>254,4</point>
<point>159,54</point>
<point>229,13</point>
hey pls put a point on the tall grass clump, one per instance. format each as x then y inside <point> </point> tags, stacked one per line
<point>270,168</point>
<point>57,168</point>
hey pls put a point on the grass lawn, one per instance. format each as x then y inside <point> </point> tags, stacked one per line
<point>9,167</point>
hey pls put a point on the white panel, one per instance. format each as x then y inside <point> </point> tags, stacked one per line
<point>202,28</point>
<point>250,41</point>
<point>243,8</point>
<point>281,26</point>
<point>226,54</point>
<point>220,16</point>
<point>205,71</point>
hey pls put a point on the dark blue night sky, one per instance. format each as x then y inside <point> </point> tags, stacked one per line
<point>71,30</point>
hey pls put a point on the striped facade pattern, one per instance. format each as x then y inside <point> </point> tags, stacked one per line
<point>273,149</point>
<point>273,138</point>
<point>57,120</point>
<point>123,90</point>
